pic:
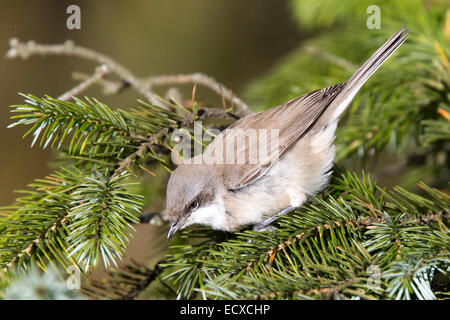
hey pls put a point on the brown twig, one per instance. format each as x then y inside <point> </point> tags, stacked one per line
<point>110,87</point>
<point>141,286</point>
<point>128,161</point>
<point>204,80</point>
<point>144,86</point>
<point>26,49</point>
<point>99,73</point>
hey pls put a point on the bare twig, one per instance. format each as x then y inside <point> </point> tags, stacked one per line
<point>203,80</point>
<point>144,86</point>
<point>218,113</point>
<point>99,73</point>
<point>128,161</point>
<point>110,87</point>
<point>68,48</point>
<point>174,94</point>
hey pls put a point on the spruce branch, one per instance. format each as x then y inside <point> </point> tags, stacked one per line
<point>327,248</point>
<point>96,133</point>
<point>357,240</point>
<point>57,119</point>
<point>102,211</point>
<point>124,283</point>
<point>72,217</point>
<point>88,205</point>
<point>45,207</point>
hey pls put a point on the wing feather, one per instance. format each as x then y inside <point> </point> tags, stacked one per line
<point>290,121</point>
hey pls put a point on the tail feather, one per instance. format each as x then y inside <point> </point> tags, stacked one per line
<point>343,99</point>
<point>378,58</point>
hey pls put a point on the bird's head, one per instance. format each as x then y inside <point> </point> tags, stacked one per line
<point>195,196</point>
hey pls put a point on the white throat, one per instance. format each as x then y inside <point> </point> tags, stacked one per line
<point>213,215</point>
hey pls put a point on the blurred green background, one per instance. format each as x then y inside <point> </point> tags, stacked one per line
<point>234,41</point>
<point>253,47</point>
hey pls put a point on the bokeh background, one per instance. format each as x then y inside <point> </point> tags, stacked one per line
<point>266,51</point>
<point>234,41</point>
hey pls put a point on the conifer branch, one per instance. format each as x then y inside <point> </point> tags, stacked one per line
<point>124,283</point>
<point>365,226</point>
<point>93,211</point>
<point>357,240</point>
<point>72,217</point>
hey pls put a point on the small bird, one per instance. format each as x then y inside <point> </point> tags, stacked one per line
<point>230,195</point>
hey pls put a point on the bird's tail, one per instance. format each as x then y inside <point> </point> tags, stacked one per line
<point>343,99</point>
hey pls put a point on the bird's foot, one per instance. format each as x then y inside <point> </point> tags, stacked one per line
<point>266,224</point>
<point>259,228</point>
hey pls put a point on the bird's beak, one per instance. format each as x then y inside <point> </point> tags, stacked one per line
<point>174,226</point>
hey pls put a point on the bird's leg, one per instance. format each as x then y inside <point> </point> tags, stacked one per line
<point>265,225</point>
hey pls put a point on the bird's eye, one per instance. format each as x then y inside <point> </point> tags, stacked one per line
<point>193,205</point>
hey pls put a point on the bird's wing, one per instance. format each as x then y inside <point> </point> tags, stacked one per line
<point>293,119</point>
<point>245,151</point>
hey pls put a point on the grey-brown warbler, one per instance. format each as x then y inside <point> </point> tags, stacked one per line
<point>247,176</point>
